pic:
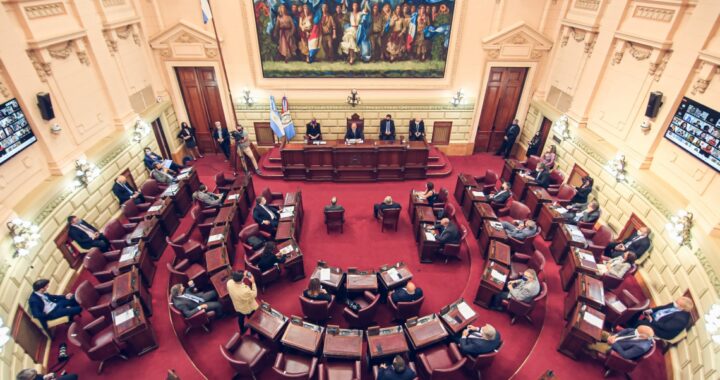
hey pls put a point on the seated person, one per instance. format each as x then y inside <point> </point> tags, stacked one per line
<point>32,374</point>
<point>583,191</point>
<point>333,206</point>
<point>268,216</point>
<point>585,213</point>
<point>151,158</point>
<point>269,258</point>
<point>316,292</point>
<point>123,191</point>
<point>668,321</point>
<point>312,131</point>
<point>617,266</point>
<point>353,133</point>
<point>479,340</point>
<point>446,232</point>
<point>387,203</point>
<point>387,128</point>
<point>189,301</point>
<point>548,158</point>
<point>417,130</point>
<point>638,243</point>
<point>541,176</point>
<point>398,370</point>
<point>207,198</point>
<point>409,293</point>
<point>524,289</point>
<point>629,343</point>
<point>427,194</point>
<point>86,235</point>
<point>162,174</point>
<point>46,307</point>
<point>520,230</point>
<point>502,195</point>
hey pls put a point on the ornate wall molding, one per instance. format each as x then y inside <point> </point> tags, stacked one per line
<point>580,33</point>
<point>639,52</point>
<point>61,51</point>
<point>4,90</point>
<point>112,3</point>
<point>124,32</point>
<point>43,68</point>
<point>110,41</point>
<point>518,42</point>
<point>342,107</point>
<point>590,5</point>
<point>45,10</point>
<point>709,65</point>
<point>185,41</point>
<point>657,53</point>
<point>653,13</point>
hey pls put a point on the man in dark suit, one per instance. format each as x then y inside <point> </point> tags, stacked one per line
<point>387,203</point>
<point>269,258</point>
<point>123,191</point>
<point>354,133</point>
<point>479,340</point>
<point>639,243</point>
<point>398,370</point>
<point>265,214</point>
<point>629,343</point>
<point>583,212</point>
<point>447,232</point>
<point>32,374</point>
<point>46,307</point>
<point>333,206</point>
<point>511,133</point>
<point>409,293</point>
<point>189,301</point>
<point>222,137</point>
<point>312,131</point>
<point>520,230</point>
<point>151,158</point>
<point>86,235</point>
<point>387,128</point>
<point>417,130</point>
<point>668,320</point>
<point>541,176</point>
<point>502,195</point>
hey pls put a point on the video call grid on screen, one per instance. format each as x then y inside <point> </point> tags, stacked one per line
<point>15,132</point>
<point>696,128</point>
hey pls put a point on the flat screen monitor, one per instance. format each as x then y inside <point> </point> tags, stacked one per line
<point>15,132</point>
<point>696,129</point>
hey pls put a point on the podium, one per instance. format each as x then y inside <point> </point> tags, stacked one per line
<point>492,282</point>
<point>567,236</point>
<point>536,196</point>
<point>585,290</point>
<point>133,328</point>
<point>548,220</point>
<point>583,328</point>
<point>464,181</point>
<point>488,234</point>
<point>578,261</point>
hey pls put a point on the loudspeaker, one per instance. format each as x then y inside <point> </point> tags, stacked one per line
<point>45,105</point>
<point>654,104</point>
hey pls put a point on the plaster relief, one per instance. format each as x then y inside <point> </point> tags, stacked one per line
<point>518,42</point>
<point>653,13</point>
<point>45,10</point>
<point>43,69</point>
<point>590,5</point>
<point>185,40</point>
<point>61,51</point>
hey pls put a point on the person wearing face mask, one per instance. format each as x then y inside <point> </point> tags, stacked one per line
<point>152,158</point>
<point>668,321</point>
<point>479,340</point>
<point>187,135</point>
<point>124,191</point>
<point>222,138</point>
<point>523,289</point>
<point>312,131</point>
<point>387,128</point>
<point>417,129</point>
<point>242,148</point>
<point>638,243</point>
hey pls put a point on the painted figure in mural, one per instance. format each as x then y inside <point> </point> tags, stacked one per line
<point>378,25</point>
<point>349,45</point>
<point>285,34</point>
<point>396,42</point>
<point>306,24</point>
<point>419,43</point>
<point>329,33</point>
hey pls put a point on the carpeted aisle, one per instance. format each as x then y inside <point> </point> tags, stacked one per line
<point>528,351</point>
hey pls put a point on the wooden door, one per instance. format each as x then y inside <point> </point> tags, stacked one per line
<point>203,104</point>
<point>161,139</point>
<point>544,132</point>
<point>502,96</point>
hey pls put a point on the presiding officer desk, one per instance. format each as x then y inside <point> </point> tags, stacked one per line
<point>371,160</point>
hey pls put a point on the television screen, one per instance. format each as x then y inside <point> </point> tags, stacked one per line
<point>696,129</point>
<point>15,132</point>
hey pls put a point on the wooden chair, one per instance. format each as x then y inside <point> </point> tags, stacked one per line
<point>389,218</point>
<point>334,219</point>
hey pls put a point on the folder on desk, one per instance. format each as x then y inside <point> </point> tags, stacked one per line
<point>216,237</point>
<point>497,276</point>
<point>429,236</point>
<point>466,311</point>
<point>593,320</point>
<point>325,274</point>
<point>124,317</point>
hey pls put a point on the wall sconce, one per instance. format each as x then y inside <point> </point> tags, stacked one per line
<point>85,172</point>
<point>680,226</point>
<point>247,98</point>
<point>616,167</point>
<point>562,128</point>
<point>353,99</point>
<point>25,235</point>
<point>458,98</point>
<point>55,128</point>
<point>4,334</point>
<point>712,323</point>
<point>142,128</point>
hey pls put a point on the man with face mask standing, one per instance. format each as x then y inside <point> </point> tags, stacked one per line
<point>242,147</point>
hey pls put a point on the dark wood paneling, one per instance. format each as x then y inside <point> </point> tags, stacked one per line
<point>576,175</point>
<point>441,132</point>
<point>264,134</point>
<point>633,224</point>
<point>502,96</point>
<point>202,98</point>
<point>28,335</point>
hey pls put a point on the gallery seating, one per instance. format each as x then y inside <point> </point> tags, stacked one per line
<point>556,179</point>
<point>521,262</point>
<point>134,213</point>
<point>203,220</point>
<point>96,299</point>
<point>515,211</point>
<point>598,241</point>
<point>262,279</point>
<point>523,246</point>
<point>246,354</point>
<point>97,339</point>
<point>223,181</point>
<point>564,194</point>
<point>152,190</point>
<point>531,163</point>
<point>186,270</point>
<point>441,362</point>
<point>451,250</point>
<point>497,206</point>
<point>488,181</point>
<point>476,364</point>
<point>245,234</point>
<point>186,248</point>
<point>631,306</point>
<point>273,199</point>
<point>616,363</point>
<point>117,232</point>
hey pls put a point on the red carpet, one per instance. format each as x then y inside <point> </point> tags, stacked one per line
<point>528,351</point>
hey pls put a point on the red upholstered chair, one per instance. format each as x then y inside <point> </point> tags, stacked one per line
<point>389,218</point>
<point>448,211</point>
<point>340,370</point>
<point>441,362</point>
<point>521,262</point>
<point>223,181</point>
<point>450,250</point>
<point>294,366</point>
<point>556,179</point>
<point>589,225</point>
<point>368,307</point>
<point>441,199</point>
<point>405,310</point>
<point>185,270</point>
<point>476,364</point>
<point>334,219</point>
<point>599,241</point>
<point>134,213</point>
<point>631,305</point>
<point>117,232</point>
<point>315,310</point>
<point>611,282</point>
<point>97,339</point>
<point>523,309</point>
<point>262,279</point>
<point>531,163</point>
<point>186,248</point>
<point>523,246</point>
<point>488,181</point>
<point>245,234</point>
<point>496,206</point>
<point>564,194</point>
<point>203,220</point>
<point>104,266</point>
<point>273,199</point>
<point>515,211</point>
<point>201,319</point>
<point>95,299</point>
<point>152,190</point>
<point>411,365</point>
<point>246,354</point>
<point>616,363</point>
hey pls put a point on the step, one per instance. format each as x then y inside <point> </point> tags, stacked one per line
<point>433,158</point>
<point>436,165</point>
<point>274,159</point>
<point>270,175</point>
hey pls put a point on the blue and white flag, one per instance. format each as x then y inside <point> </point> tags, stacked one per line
<point>275,121</point>
<point>444,30</point>
<point>288,125</point>
<point>206,13</point>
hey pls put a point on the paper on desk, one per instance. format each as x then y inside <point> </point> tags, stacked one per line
<point>325,274</point>
<point>587,257</point>
<point>429,236</point>
<point>561,209</point>
<point>497,276</point>
<point>155,208</point>
<point>182,176</point>
<point>215,237</point>
<point>593,320</point>
<point>618,305</point>
<point>496,225</point>
<point>186,170</point>
<point>233,196</point>
<point>394,274</point>
<point>478,194</point>
<point>124,317</point>
<point>466,311</point>
<point>286,250</point>
<point>128,256</point>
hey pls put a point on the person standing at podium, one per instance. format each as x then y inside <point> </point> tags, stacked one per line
<point>243,293</point>
<point>353,133</point>
<point>417,130</point>
<point>387,129</point>
<point>312,130</point>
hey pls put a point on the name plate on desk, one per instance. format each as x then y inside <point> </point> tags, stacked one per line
<point>216,237</point>
<point>124,317</point>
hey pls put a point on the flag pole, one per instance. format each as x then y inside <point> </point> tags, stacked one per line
<point>227,79</point>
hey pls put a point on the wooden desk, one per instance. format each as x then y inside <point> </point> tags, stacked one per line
<point>285,231</point>
<point>189,176</point>
<point>137,256</point>
<point>464,181</point>
<point>415,203</point>
<point>293,265</point>
<point>386,342</point>
<point>427,247</point>
<point>237,197</point>
<point>293,200</point>
<point>334,283</point>
<point>578,261</point>
<point>585,290</point>
<point>567,236</point>
<point>423,216</point>
<point>489,233</point>
<point>454,319</point>
<point>520,185</point>
<point>229,215</point>
<point>302,336</point>
<point>220,236</point>
<point>128,286</point>
<point>510,167</point>
<point>499,253</point>
<point>216,260</point>
<point>425,331</point>
<point>472,196</point>
<point>548,220</point>
<point>343,343</point>
<point>219,282</point>
<point>136,331</point>
<point>163,210</point>
<point>149,232</point>
<point>536,196</point>
<point>394,276</point>
<point>267,322</point>
<point>490,286</point>
<point>479,213</point>
<point>247,182</point>
<point>361,281</point>
<point>181,197</point>
<point>579,331</point>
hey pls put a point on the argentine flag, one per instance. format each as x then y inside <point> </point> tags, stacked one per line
<point>275,121</point>
<point>206,14</point>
